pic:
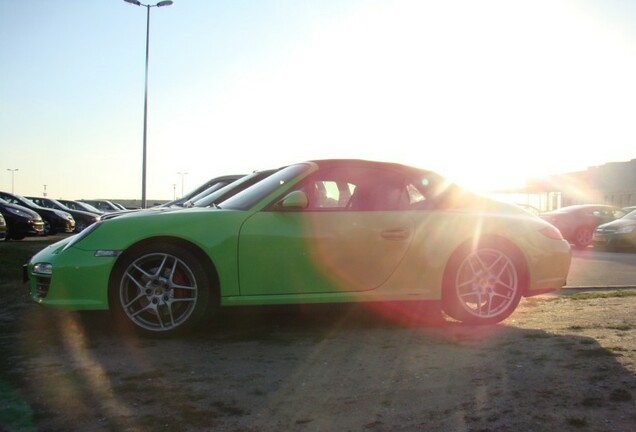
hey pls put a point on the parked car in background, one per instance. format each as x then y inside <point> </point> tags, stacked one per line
<point>213,198</point>
<point>104,205</point>
<point>55,221</point>
<point>21,221</point>
<point>319,231</point>
<point>3,227</point>
<point>529,208</point>
<point>618,234</point>
<point>214,183</point>
<point>77,205</point>
<point>82,218</point>
<point>578,222</point>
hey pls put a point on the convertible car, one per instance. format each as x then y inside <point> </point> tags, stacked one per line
<point>327,231</point>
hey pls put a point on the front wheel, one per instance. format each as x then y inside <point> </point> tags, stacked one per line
<point>582,237</point>
<point>483,283</point>
<point>160,290</point>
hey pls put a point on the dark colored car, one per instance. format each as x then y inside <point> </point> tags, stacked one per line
<point>216,182</point>
<point>3,227</point>
<point>617,234</point>
<point>55,221</point>
<point>20,221</point>
<point>578,222</point>
<point>82,206</point>
<point>212,198</point>
<point>104,205</point>
<point>82,218</point>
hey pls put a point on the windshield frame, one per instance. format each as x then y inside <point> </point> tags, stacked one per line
<point>283,178</point>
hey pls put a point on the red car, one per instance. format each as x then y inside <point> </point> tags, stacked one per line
<point>578,222</point>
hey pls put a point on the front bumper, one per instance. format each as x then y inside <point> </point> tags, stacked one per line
<point>79,280</point>
<point>614,240</point>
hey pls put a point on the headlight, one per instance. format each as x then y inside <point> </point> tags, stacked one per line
<point>43,268</point>
<point>625,229</point>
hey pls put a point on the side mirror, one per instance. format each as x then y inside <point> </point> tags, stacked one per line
<point>296,200</point>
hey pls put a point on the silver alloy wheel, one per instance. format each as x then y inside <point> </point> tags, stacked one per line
<point>487,283</point>
<point>158,292</point>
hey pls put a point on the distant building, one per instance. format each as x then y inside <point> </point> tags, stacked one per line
<point>613,183</point>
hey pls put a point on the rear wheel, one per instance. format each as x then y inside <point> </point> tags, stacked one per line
<point>483,284</point>
<point>160,290</point>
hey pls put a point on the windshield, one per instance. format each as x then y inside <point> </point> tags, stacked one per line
<point>257,192</point>
<point>20,200</point>
<point>89,207</point>
<point>631,215</point>
<point>233,188</point>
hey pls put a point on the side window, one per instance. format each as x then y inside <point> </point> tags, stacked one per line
<point>416,198</point>
<point>381,191</point>
<point>328,194</point>
<point>364,189</point>
<point>618,214</point>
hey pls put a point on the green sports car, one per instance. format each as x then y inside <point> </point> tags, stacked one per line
<point>327,231</point>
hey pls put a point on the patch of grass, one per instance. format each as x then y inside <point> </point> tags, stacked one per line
<point>228,410</point>
<point>537,335</point>
<point>578,422</point>
<point>15,412</point>
<point>146,375</point>
<point>621,395</point>
<point>596,352</point>
<point>541,358</point>
<point>13,254</point>
<point>622,327</point>
<point>602,295</point>
<point>592,402</point>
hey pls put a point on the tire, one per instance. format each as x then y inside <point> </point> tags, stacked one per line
<point>483,285</point>
<point>11,236</point>
<point>160,290</point>
<point>80,226</point>
<point>582,237</point>
<point>49,229</point>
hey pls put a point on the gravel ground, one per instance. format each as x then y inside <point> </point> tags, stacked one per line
<point>559,362</point>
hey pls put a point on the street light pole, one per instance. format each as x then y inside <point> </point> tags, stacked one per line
<point>143,164</point>
<point>13,178</point>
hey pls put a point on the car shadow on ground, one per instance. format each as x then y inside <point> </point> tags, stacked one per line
<point>325,367</point>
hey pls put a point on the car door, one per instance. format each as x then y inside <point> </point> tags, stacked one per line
<point>330,245</point>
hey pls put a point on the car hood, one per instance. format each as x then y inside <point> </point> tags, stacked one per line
<point>23,209</point>
<point>618,223</point>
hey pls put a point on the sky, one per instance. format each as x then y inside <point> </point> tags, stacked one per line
<point>486,93</point>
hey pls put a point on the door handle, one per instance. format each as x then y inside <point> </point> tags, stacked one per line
<point>395,234</point>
